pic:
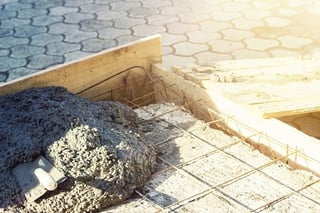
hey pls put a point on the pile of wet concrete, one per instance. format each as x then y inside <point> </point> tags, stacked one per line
<point>98,146</point>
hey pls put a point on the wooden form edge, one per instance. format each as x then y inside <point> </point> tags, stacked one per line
<point>80,74</point>
<point>271,136</point>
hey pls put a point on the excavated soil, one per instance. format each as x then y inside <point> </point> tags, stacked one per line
<point>98,146</point>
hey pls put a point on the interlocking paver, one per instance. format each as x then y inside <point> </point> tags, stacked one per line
<point>245,54</point>
<point>125,39</point>
<point>28,30</point>
<point>46,20</point>
<point>6,32</point>
<point>181,61</point>
<point>287,12</point>
<point>225,16</point>
<point>290,41</point>
<point>156,4</point>
<point>62,28</point>
<point>123,6</point>
<point>75,18</point>
<point>7,63</point>
<point>166,50</point>
<point>127,22</point>
<point>141,12</point>
<point>8,42</point>
<point>78,35</point>
<point>236,6</point>
<point>18,72</point>
<point>94,8</point>
<point>61,10</point>
<point>169,39</point>
<point>24,51</point>
<point>71,56</point>
<point>202,37</point>
<point>281,52</point>
<point>112,33</point>
<point>193,18</point>
<point>260,44</point>
<point>173,10</point>
<point>77,2</point>
<point>13,22</point>
<point>236,35</point>
<point>223,46</point>
<point>43,61</point>
<point>29,13</point>
<point>94,25</point>
<point>44,39</point>
<point>214,26</point>
<point>4,52</point>
<point>256,14</point>
<point>95,44</point>
<point>16,6</point>
<point>5,14</point>
<point>277,22</point>
<point>43,4</point>
<point>161,19</point>
<point>188,49</point>
<point>110,15</point>
<point>146,30</point>
<point>181,28</point>
<point>247,24</point>
<point>61,48</point>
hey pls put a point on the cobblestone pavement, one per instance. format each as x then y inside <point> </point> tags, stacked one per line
<point>36,34</point>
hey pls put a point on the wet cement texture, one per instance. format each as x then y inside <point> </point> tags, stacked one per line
<point>97,145</point>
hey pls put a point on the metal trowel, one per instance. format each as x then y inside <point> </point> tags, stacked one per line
<point>37,177</point>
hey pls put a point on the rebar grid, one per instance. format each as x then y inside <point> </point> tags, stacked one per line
<point>217,188</point>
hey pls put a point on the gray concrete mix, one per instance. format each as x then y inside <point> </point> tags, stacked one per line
<point>98,146</point>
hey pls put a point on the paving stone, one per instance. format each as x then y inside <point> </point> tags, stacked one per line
<point>181,28</point>
<point>224,15</point>
<point>75,18</point>
<point>260,44</point>
<point>4,52</point>
<point>5,14</point>
<point>20,72</point>
<point>110,15</point>
<point>76,3</point>
<point>44,39</point>
<point>7,63</point>
<point>127,22</point>
<point>173,60</point>
<point>287,12</point>
<point>213,26</point>
<point>60,48</point>
<point>245,54</point>
<point>188,49</point>
<point>146,30</point>
<point>202,37</point>
<point>141,12</point>
<point>28,30</point>
<point>209,58</point>
<point>168,39</point>
<point>155,3</point>
<point>43,61</point>
<point>314,9</point>
<point>24,51</point>
<point>121,40</point>
<point>3,76</point>
<point>62,28</point>
<point>236,35</point>
<point>112,33</point>
<point>266,5</point>
<point>247,24</point>
<point>94,25</point>
<point>123,6</point>
<point>236,6</point>
<point>277,22</point>
<point>29,13</point>
<point>281,52</point>
<point>256,14</point>
<point>294,42</point>
<point>45,4</point>
<point>173,11</point>
<point>297,3</point>
<point>61,10</point>
<point>96,45</point>
<point>46,20</point>
<point>77,36</point>
<point>224,46</point>
<point>5,32</point>
<point>94,8</point>
<point>13,22</point>
<point>191,18</point>
<point>201,8</point>
<point>7,42</point>
<point>103,1</point>
<point>166,50</point>
<point>16,6</point>
<point>76,55</point>
<point>161,19</point>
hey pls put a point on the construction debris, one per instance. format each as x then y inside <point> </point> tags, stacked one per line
<point>96,145</point>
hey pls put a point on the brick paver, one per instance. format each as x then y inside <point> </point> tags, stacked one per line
<point>37,34</point>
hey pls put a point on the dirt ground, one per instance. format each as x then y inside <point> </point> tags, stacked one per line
<point>201,169</point>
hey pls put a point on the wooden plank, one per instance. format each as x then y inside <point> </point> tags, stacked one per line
<point>100,73</point>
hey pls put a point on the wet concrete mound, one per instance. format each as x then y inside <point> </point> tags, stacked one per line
<point>97,145</point>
